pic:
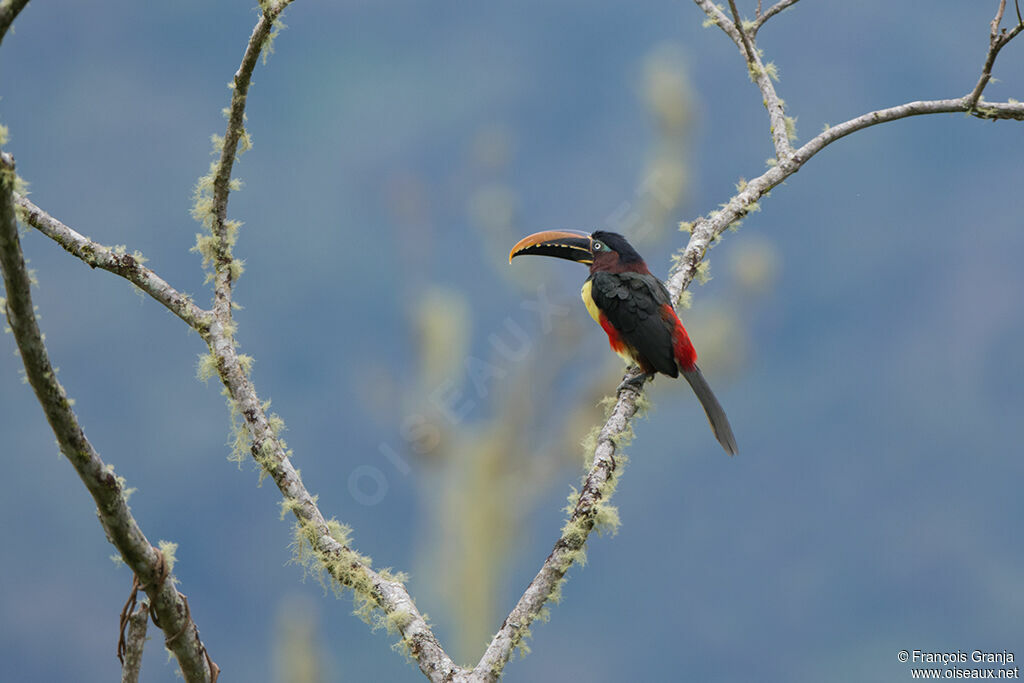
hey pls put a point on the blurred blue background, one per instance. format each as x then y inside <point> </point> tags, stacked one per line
<point>863,332</point>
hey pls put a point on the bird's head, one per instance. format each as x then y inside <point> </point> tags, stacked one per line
<point>600,250</point>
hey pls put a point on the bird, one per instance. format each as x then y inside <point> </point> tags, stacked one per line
<point>634,309</point>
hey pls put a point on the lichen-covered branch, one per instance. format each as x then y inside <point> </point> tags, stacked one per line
<point>107,490</point>
<point>324,543</point>
<point>115,260</point>
<point>326,540</point>
<point>213,190</point>
<point>586,515</point>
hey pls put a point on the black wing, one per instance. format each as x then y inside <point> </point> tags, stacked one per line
<point>633,304</point>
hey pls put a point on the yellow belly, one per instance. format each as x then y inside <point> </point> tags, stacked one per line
<point>588,301</point>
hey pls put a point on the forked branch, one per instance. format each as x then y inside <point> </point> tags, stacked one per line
<point>759,73</point>
<point>107,490</point>
<point>997,39</point>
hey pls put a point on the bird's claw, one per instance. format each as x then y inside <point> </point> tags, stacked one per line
<point>635,382</point>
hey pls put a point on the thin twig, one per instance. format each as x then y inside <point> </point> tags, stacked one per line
<point>261,34</point>
<point>118,262</point>
<point>106,489</point>
<point>744,38</point>
<point>771,12</point>
<point>996,21</point>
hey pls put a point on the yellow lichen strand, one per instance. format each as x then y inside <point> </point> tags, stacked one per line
<point>589,444</point>
<point>266,458</point>
<point>246,362</point>
<point>206,367</point>
<point>791,128</point>
<point>522,635</point>
<point>274,420</point>
<point>268,44</point>
<point>206,246</point>
<point>168,550</point>
<point>337,567</point>
<point>606,519</point>
<point>395,622</point>
<point>703,273</point>
<point>290,506</point>
<point>237,268</point>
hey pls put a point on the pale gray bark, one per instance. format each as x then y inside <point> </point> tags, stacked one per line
<point>135,641</point>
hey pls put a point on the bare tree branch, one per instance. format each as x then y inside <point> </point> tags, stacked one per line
<point>116,261</point>
<point>107,490</point>
<point>9,10</point>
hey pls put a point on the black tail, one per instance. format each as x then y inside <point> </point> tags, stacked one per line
<point>713,409</point>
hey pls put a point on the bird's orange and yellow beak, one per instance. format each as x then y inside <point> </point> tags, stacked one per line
<point>568,244</point>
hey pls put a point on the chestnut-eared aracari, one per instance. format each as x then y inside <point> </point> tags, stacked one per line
<point>634,308</point>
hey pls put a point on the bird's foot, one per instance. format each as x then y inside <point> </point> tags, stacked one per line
<point>635,382</point>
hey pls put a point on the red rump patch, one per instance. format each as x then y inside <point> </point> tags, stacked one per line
<point>685,354</point>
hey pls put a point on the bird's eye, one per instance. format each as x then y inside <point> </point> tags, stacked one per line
<point>598,246</point>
